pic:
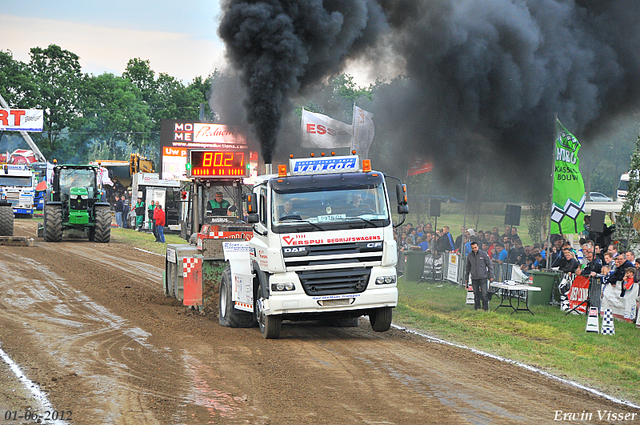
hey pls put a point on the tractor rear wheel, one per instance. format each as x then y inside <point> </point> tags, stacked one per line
<point>6,220</point>
<point>102,229</point>
<point>53,223</point>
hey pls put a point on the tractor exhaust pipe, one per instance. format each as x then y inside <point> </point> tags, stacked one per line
<point>268,168</point>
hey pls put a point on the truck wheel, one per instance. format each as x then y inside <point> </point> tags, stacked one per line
<point>102,229</point>
<point>380,319</point>
<point>229,316</point>
<point>6,220</point>
<point>53,223</point>
<point>270,326</point>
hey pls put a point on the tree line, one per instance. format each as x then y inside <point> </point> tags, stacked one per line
<point>105,116</point>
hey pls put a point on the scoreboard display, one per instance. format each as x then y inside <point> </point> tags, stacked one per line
<point>218,163</point>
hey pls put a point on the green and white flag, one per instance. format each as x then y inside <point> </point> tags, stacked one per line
<point>568,186</point>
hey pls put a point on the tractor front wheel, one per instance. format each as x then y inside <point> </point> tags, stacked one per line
<point>52,223</point>
<point>102,230</point>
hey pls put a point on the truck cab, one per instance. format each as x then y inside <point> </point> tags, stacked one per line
<point>18,184</point>
<point>323,245</point>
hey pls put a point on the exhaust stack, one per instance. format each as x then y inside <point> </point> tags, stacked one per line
<point>268,168</point>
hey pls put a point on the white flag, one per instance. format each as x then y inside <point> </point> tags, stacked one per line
<point>321,131</point>
<point>363,131</point>
<point>103,176</point>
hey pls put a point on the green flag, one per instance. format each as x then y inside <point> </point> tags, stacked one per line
<point>567,213</point>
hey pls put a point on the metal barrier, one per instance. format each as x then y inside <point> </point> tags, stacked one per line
<point>434,267</point>
<point>594,297</point>
<point>595,292</point>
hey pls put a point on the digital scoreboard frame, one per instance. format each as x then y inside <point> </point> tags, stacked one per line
<point>218,163</point>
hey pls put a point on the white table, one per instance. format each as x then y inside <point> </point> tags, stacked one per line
<point>509,290</point>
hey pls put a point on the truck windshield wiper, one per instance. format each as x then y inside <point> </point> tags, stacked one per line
<point>309,222</point>
<point>363,219</point>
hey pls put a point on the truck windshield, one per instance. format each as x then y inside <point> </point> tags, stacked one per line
<point>13,181</point>
<point>623,185</point>
<point>328,202</point>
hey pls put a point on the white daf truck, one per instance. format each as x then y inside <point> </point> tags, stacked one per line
<point>18,185</point>
<point>322,248</point>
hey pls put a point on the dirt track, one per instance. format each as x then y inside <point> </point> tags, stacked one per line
<point>90,325</point>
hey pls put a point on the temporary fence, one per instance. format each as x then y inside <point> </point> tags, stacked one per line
<point>578,293</point>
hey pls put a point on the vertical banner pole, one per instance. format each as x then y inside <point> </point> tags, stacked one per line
<point>553,180</point>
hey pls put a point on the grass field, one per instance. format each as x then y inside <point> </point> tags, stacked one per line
<point>548,340</point>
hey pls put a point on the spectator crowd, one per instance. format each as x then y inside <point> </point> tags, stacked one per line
<point>595,258</point>
<point>507,248</point>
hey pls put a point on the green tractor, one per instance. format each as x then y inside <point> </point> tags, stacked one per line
<point>74,202</point>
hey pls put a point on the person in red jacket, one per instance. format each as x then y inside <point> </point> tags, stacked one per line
<point>159,217</point>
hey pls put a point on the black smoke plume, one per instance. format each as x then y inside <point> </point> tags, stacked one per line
<point>481,79</point>
<point>484,78</point>
<point>279,47</point>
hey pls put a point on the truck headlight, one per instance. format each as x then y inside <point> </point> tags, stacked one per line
<point>283,286</point>
<point>385,280</point>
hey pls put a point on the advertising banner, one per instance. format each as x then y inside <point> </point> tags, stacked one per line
<point>21,120</point>
<point>176,136</point>
<point>567,213</point>
<point>321,131</point>
<point>419,165</point>
<point>578,294</point>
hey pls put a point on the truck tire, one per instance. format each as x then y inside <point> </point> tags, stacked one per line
<point>380,319</point>
<point>270,326</point>
<point>53,223</point>
<point>102,229</point>
<point>229,316</point>
<point>6,220</point>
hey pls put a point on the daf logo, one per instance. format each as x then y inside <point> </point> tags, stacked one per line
<point>294,250</point>
<point>374,244</point>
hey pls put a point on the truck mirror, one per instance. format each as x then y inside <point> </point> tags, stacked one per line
<point>252,218</point>
<point>252,205</point>
<point>403,209</point>
<point>401,194</point>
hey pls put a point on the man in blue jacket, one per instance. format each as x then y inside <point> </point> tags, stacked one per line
<point>480,268</point>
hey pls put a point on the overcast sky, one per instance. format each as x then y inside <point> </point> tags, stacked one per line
<point>179,38</point>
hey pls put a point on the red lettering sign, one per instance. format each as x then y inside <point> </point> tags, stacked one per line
<point>17,113</point>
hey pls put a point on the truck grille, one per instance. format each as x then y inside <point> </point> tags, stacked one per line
<point>345,253</point>
<point>334,282</point>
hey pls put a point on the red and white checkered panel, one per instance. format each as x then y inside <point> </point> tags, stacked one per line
<point>189,264</point>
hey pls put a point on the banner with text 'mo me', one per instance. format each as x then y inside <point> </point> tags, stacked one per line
<point>567,212</point>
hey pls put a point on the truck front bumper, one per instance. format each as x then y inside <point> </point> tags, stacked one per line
<point>298,302</point>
